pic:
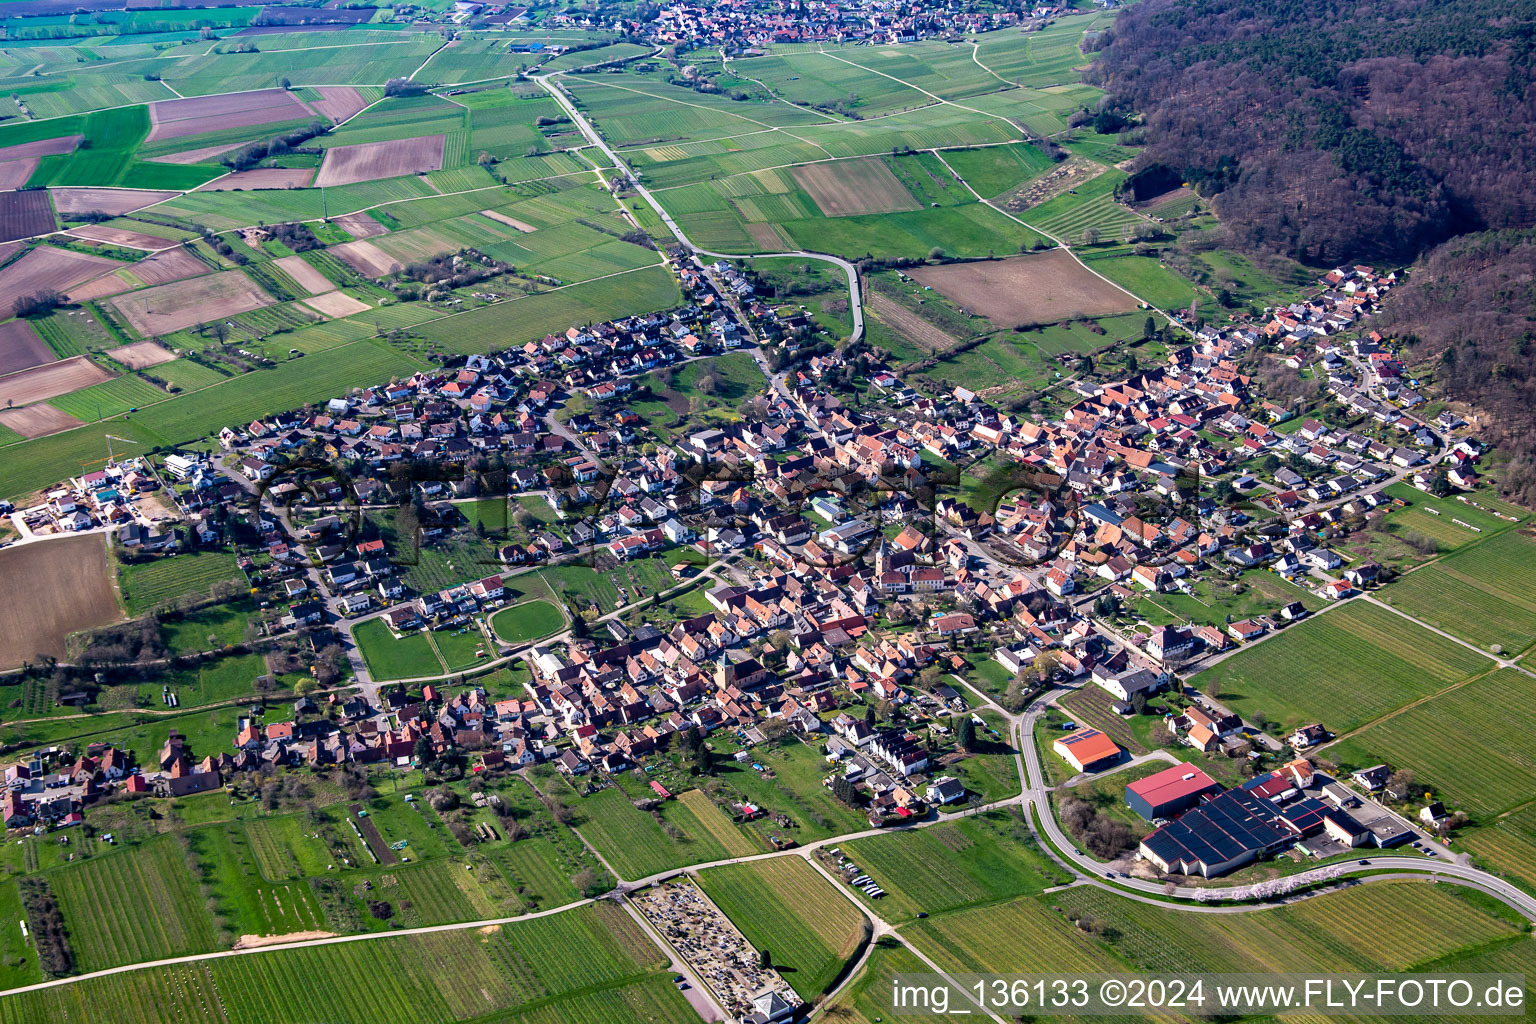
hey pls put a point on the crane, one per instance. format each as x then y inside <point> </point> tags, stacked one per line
<point>110,458</point>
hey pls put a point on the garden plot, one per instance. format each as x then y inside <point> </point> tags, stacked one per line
<point>171,307</point>
<point>1039,288</point>
<point>371,161</point>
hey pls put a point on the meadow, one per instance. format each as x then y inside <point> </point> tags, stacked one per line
<point>1145,278</point>
<point>785,907</point>
<point>1257,592</point>
<point>1343,667</point>
<point>997,170</point>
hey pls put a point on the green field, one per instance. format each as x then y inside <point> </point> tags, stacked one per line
<point>1343,667</point>
<point>410,657</point>
<point>1507,844</point>
<point>1258,592</point>
<point>110,398</point>
<point>1482,594</point>
<point>636,844</point>
<point>1145,278</point>
<point>244,901</point>
<point>1390,927</point>
<point>1378,928</point>
<point>516,322</point>
<point>528,621</point>
<point>785,907</point>
<point>995,170</point>
<point>975,860</point>
<point>159,581</point>
<point>1092,208</point>
<point>165,917</point>
<point>406,980</point>
<point>29,465</point>
<point>1467,745</point>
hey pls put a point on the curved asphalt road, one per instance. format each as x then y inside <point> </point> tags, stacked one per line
<point>855,303</point>
<point>1382,864</point>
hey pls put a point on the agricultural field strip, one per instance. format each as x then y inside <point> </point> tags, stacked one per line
<point>834,159</point>
<point>909,85</point>
<point>98,65</point>
<point>305,944</point>
<point>435,196</point>
<point>1042,231</point>
<point>572,284</point>
<point>712,110</point>
<point>976,56</point>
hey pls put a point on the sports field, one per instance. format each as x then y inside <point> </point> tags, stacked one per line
<point>1342,667</point>
<point>409,657</point>
<point>528,621</point>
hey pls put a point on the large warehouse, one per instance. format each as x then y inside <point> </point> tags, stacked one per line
<point>1169,791</point>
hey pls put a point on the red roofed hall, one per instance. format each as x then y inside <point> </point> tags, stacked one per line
<point>1169,791</point>
<point>1087,749</point>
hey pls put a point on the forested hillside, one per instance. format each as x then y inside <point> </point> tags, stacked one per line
<point>1338,130</point>
<point>1470,305</point>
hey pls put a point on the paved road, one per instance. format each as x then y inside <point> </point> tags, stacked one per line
<point>855,298</point>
